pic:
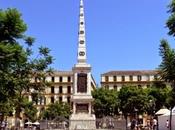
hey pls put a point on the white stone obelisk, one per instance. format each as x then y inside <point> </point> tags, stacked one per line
<point>82,117</point>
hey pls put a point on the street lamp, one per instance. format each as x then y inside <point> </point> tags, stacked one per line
<point>171,109</point>
<point>135,110</point>
<point>136,116</point>
<point>0,116</point>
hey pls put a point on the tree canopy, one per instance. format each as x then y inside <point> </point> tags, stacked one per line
<point>17,63</point>
<point>106,102</point>
<point>167,66</point>
<point>132,100</point>
<point>57,110</point>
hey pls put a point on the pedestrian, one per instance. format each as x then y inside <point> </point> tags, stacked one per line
<point>133,124</point>
<point>167,123</point>
<point>154,124</point>
<point>3,125</point>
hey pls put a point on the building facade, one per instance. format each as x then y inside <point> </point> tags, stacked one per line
<point>117,79</point>
<point>59,90</point>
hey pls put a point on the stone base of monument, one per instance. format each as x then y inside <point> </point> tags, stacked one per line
<point>82,122</point>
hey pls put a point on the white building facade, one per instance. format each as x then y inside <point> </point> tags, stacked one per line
<point>118,79</point>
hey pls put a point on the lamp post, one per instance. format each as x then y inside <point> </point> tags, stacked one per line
<point>154,120</point>
<point>136,117</point>
<point>0,118</point>
<point>170,117</point>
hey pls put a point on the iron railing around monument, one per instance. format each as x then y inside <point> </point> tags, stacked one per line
<point>57,123</point>
<point>101,123</point>
<point>111,123</point>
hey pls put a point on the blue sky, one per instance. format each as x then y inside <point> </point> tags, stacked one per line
<point>121,34</point>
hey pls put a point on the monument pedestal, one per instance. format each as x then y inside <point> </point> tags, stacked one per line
<point>82,117</point>
<point>82,121</point>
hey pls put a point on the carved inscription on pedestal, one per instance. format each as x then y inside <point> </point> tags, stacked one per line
<point>82,83</point>
<point>82,108</point>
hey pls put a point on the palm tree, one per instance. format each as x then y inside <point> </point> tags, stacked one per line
<point>167,69</point>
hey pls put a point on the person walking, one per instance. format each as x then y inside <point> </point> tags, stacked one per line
<point>154,124</point>
<point>167,124</point>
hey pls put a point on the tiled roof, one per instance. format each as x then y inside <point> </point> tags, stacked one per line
<point>131,72</point>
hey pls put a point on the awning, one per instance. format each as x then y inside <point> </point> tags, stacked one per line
<point>162,111</point>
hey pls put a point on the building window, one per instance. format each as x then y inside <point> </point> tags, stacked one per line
<point>39,100</point>
<point>44,100</point>
<point>130,78</point>
<point>60,89</point>
<point>81,23</point>
<point>148,86</point>
<point>53,79</point>
<point>36,79</point>
<point>155,77</point>
<point>115,87</point>
<point>81,14</point>
<point>148,78</point>
<point>114,78</point>
<point>107,87</point>
<point>68,89</point>
<point>68,99</point>
<point>106,78</point>
<point>69,79</point>
<point>60,99</point>
<point>52,89</point>
<point>52,99</point>
<point>139,78</point>
<point>61,79</point>
<point>139,86</point>
<point>123,78</point>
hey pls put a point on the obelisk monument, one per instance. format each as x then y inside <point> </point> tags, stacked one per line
<point>82,117</point>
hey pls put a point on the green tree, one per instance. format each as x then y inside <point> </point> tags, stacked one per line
<point>106,102</point>
<point>167,65</point>
<point>17,63</point>
<point>133,100</point>
<point>170,22</point>
<point>160,96</point>
<point>30,111</point>
<point>167,70</point>
<point>57,110</point>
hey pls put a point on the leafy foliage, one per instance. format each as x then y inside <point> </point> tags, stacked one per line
<point>12,26</point>
<point>30,111</point>
<point>106,102</point>
<point>57,109</point>
<point>167,71</point>
<point>170,22</point>
<point>133,100</point>
<point>159,98</point>
<point>17,64</point>
<point>167,66</point>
